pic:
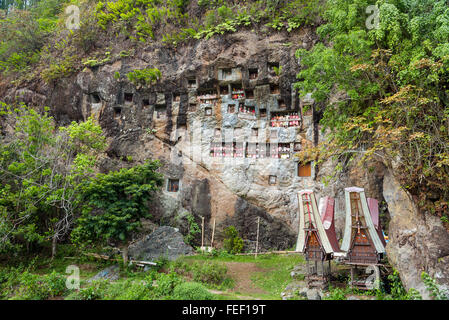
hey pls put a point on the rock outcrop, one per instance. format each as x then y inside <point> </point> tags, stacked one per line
<point>417,243</point>
<point>164,242</point>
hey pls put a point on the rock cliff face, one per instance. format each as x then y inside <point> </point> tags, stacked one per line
<point>417,242</point>
<point>218,122</point>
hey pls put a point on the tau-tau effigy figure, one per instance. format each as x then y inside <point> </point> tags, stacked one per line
<point>316,236</point>
<point>363,240</point>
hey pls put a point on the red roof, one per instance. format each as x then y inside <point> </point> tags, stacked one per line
<point>373,206</point>
<point>327,217</point>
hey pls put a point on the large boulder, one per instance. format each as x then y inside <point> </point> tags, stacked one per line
<point>418,242</point>
<point>165,241</point>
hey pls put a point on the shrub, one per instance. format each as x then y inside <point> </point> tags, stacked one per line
<point>144,77</point>
<point>194,229</point>
<point>94,291</point>
<point>166,283</point>
<point>209,272</point>
<point>433,288</point>
<point>129,290</point>
<point>232,242</point>
<point>191,291</point>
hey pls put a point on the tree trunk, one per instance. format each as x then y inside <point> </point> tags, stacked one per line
<point>125,255</point>
<point>53,247</point>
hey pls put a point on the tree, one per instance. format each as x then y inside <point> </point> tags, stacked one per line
<point>392,84</point>
<point>41,169</point>
<point>114,205</point>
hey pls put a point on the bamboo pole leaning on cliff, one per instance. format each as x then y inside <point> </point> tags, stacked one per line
<point>202,232</point>
<point>257,238</point>
<point>213,234</point>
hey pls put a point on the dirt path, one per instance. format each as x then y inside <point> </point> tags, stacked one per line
<point>241,272</point>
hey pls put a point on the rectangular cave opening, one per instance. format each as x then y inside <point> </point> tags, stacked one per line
<point>274,88</point>
<point>173,185</point>
<point>192,106</point>
<point>226,73</point>
<point>280,150</point>
<point>128,96</point>
<point>176,97</point>
<point>146,102</point>
<point>253,73</point>
<point>307,110</point>
<point>191,83</point>
<point>224,90</point>
<point>95,97</point>
<point>160,110</point>
<point>237,92</point>
<point>281,104</point>
<point>247,109</point>
<point>273,68</point>
<point>304,169</point>
<point>117,112</point>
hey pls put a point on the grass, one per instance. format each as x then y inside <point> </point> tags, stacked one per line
<point>270,273</point>
<point>273,277</point>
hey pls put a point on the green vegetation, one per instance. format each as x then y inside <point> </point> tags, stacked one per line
<point>393,86</point>
<point>144,77</point>
<point>193,230</point>
<point>232,242</point>
<point>122,198</point>
<point>434,290</point>
<point>42,170</point>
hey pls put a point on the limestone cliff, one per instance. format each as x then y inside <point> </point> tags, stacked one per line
<point>217,121</point>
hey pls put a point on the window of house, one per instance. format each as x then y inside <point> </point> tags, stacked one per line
<point>272,179</point>
<point>173,185</point>
<point>263,113</point>
<point>304,169</point>
<point>297,146</point>
<point>217,133</point>
<point>192,106</point>
<point>231,108</point>
<point>208,111</point>
<point>253,73</point>
<point>145,102</point>
<point>128,97</point>
<point>176,97</point>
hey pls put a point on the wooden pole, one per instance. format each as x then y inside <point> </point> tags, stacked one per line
<point>257,238</point>
<point>213,233</point>
<point>202,232</point>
